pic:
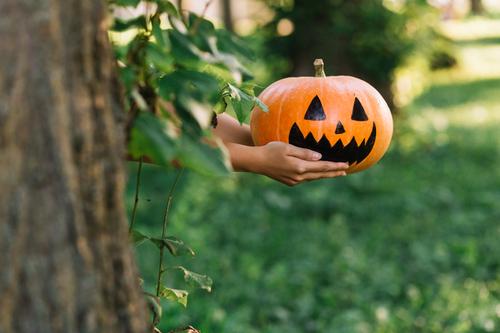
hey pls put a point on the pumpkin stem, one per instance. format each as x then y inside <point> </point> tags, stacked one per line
<point>319,68</point>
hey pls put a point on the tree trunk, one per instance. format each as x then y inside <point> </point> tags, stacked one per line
<point>476,6</point>
<point>65,260</point>
<point>227,14</point>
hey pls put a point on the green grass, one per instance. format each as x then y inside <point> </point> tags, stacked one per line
<point>411,245</point>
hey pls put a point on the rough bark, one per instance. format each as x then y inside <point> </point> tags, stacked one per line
<point>65,260</point>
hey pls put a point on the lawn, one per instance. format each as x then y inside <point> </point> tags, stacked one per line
<point>411,245</point>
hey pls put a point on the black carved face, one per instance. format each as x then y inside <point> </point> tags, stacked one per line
<point>335,151</point>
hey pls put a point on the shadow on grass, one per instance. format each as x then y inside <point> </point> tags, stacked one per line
<point>456,94</point>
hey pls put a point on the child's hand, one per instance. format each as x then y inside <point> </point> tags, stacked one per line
<point>278,160</point>
<point>293,165</point>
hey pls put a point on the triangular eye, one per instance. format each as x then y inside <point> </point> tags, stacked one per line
<point>358,112</point>
<point>315,110</point>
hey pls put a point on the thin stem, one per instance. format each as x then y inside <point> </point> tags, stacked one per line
<point>164,231</point>
<point>196,24</point>
<point>319,68</point>
<point>136,200</point>
<point>180,9</point>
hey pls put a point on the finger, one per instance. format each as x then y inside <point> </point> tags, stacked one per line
<point>303,153</point>
<point>323,166</point>
<point>321,175</point>
<point>289,181</point>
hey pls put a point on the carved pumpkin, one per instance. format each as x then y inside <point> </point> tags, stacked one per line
<point>342,117</point>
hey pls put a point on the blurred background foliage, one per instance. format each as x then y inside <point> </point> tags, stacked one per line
<point>411,245</point>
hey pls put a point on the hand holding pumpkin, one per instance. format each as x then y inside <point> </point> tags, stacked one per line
<point>293,165</point>
<point>283,162</point>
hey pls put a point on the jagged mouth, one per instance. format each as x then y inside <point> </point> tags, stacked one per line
<point>351,153</point>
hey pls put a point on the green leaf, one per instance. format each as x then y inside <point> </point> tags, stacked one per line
<point>199,80</point>
<point>202,158</point>
<point>261,104</point>
<point>201,31</point>
<point>228,61</point>
<point>174,245</point>
<point>240,102</point>
<point>126,3</point>
<point>128,77</point>
<point>149,138</point>
<point>120,51</point>
<point>230,43</point>
<point>122,25</point>
<point>161,36</point>
<point>203,26</point>
<point>165,6</point>
<point>138,238</point>
<point>199,280</point>
<point>233,65</point>
<point>186,52</point>
<point>218,71</point>
<point>220,107</point>
<point>159,58</point>
<point>154,305</point>
<point>176,295</point>
<point>189,85</point>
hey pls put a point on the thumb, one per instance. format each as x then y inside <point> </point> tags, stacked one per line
<point>303,153</point>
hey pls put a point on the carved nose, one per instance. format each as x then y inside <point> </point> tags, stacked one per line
<point>340,128</point>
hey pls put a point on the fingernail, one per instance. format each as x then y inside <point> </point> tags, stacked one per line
<point>317,156</point>
<point>344,173</point>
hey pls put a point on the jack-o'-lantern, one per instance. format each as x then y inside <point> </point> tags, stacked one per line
<point>342,117</point>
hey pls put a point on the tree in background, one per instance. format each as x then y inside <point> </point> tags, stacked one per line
<point>476,6</point>
<point>66,263</point>
<point>362,38</point>
<point>227,14</point>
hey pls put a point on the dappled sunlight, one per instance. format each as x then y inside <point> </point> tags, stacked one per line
<point>471,29</point>
<point>475,61</point>
<point>465,97</point>
<point>478,42</point>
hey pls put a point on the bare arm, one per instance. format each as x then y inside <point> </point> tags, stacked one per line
<point>229,130</point>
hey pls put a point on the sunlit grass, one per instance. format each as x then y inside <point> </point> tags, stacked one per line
<point>468,95</point>
<point>471,29</point>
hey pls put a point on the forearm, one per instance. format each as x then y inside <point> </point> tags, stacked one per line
<point>229,130</point>
<point>244,158</point>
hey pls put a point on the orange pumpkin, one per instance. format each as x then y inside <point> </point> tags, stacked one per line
<point>342,117</point>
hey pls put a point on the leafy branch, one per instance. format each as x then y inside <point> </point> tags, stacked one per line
<point>178,72</point>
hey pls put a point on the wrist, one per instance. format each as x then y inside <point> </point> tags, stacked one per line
<point>245,158</point>
<point>254,159</point>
